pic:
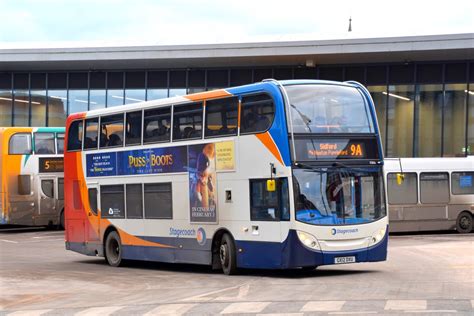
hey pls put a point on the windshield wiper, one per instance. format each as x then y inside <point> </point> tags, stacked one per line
<point>309,167</point>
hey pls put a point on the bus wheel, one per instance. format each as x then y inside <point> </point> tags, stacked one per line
<point>227,255</point>
<point>61,221</point>
<point>113,249</point>
<point>464,223</point>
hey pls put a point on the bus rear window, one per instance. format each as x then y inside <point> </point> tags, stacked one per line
<point>44,143</point>
<point>328,109</point>
<point>20,144</point>
<point>74,141</point>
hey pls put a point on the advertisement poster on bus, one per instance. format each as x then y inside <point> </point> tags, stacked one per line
<point>202,183</point>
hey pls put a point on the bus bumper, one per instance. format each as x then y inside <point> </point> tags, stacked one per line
<point>292,254</point>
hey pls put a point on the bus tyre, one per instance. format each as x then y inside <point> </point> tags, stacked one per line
<point>61,221</point>
<point>113,249</point>
<point>464,223</point>
<point>227,255</point>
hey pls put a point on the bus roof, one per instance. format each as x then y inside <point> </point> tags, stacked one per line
<point>218,93</point>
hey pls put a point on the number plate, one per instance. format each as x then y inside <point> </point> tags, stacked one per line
<point>340,260</point>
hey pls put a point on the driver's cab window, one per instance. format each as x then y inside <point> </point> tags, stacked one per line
<point>269,205</point>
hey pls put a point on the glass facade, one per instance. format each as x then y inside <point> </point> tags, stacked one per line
<point>428,120</point>
<point>400,115</point>
<point>424,109</point>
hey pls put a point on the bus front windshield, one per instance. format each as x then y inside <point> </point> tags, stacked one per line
<point>326,108</point>
<point>339,196</point>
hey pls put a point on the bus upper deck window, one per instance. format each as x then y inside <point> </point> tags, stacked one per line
<point>221,117</point>
<point>111,131</point>
<point>20,144</point>
<point>74,141</point>
<point>257,113</point>
<point>133,128</point>
<point>44,143</point>
<point>187,121</point>
<point>92,133</point>
<point>157,125</point>
<point>60,143</point>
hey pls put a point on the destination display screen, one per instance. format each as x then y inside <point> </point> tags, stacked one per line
<point>52,164</point>
<point>316,149</point>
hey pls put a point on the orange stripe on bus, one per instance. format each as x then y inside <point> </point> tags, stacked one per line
<point>267,140</point>
<point>207,95</point>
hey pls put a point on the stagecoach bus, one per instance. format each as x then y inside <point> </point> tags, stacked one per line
<point>276,174</point>
<point>32,176</point>
<point>430,194</point>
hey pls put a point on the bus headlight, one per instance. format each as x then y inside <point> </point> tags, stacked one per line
<point>308,240</point>
<point>377,236</point>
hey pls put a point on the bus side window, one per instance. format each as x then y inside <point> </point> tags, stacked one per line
<point>60,188</point>
<point>133,128</point>
<point>93,200</point>
<point>158,200</point>
<point>434,187</point>
<point>221,117</point>
<point>404,193</point>
<point>20,144</point>
<point>24,184</point>
<point>257,113</point>
<point>187,121</point>
<point>74,141</point>
<point>111,131</point>
<point>462,182</point>
<point>157,125</point>
<point>47,186</point>
<point>44,143</point>
<point>269,205</point>
<point>112,201</point>
<point>134,200</point>
<point>76,193</point>
<point>92,133</point>
<point>60,143</point>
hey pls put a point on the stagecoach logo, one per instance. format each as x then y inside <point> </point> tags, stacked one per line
<point>201,236</point>
<point>111,211</point>
<point>341,231</point>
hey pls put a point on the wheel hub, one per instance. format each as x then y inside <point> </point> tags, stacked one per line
<point>223,254</point>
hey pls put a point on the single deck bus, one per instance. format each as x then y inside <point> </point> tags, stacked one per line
<point>32,176</point>
<point>277,174</point>
<point>430,194</point>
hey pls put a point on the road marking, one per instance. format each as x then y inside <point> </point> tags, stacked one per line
<point>282,314</point>
<point>249,307</point>
<point>410,305</point>
<point>353,313</point>
<point>11,241</point>
<point>243,291</point>
<point>171,309</point>
<point>30,313</point>
<point>322,306</point>
<point>203,298</point>
<point>431,311</point>
<point>103,311</point>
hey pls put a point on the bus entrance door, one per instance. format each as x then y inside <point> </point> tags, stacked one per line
<point>46,211</point>
<point>93,214</point>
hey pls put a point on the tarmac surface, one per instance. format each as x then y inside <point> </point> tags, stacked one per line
<point>424,274</point>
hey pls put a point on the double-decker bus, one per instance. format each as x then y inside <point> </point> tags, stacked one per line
<point>32,176</point>
<point>427,194</point>
<point>277,174</point>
